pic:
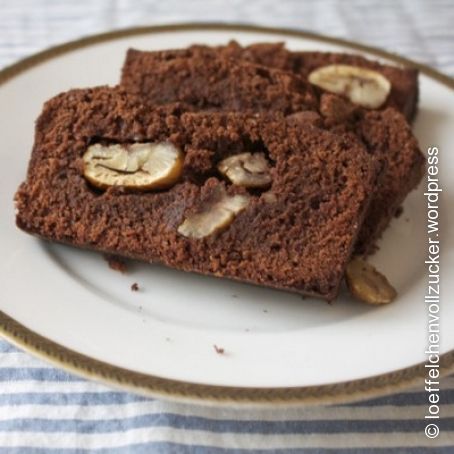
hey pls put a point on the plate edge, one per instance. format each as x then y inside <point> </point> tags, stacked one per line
<point>154,386</point>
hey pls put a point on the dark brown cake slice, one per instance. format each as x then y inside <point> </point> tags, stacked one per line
<point>185,75</point>
<point>253,198</point>
<point>404,80</point>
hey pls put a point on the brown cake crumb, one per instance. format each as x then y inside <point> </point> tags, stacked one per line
<point>135,287</point>
<point>219,350</point>
<point>116,263</point>
<point>399,212</point>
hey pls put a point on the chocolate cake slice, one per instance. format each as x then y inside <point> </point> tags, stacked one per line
<point>404,91</point>
<point>243,196</point>
<point>200,77</point>
<point>403,81</point>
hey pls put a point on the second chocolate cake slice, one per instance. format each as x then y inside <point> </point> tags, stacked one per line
<point>386,85</point>
<point>403,81</point>
<point>246,197</point>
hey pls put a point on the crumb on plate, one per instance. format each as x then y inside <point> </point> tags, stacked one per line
<point>116,263</point>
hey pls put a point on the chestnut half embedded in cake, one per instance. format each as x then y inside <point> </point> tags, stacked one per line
<point>141,166</point>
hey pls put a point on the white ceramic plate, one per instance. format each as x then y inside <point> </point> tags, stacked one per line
<point>168,329</point>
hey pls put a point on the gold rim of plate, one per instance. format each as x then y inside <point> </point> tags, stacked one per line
<point>155,386</point>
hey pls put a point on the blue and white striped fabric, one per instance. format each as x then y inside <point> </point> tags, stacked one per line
<point>43,409</point>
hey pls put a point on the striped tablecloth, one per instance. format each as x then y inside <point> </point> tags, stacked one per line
<point>43,409</point>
